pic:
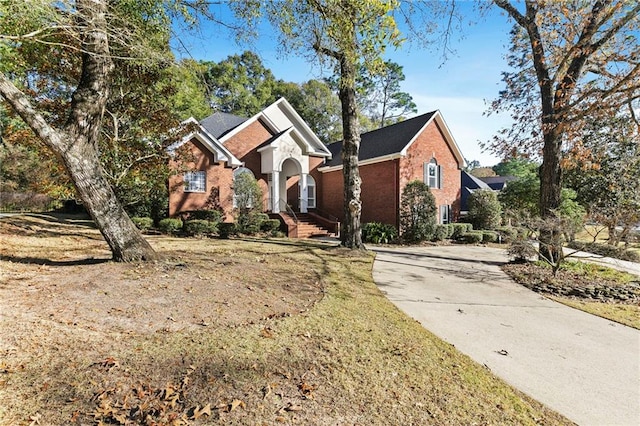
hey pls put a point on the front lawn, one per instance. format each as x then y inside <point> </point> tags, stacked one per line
<point>226,332</point>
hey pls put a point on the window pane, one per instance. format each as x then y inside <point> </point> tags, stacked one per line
<point>195,181</point>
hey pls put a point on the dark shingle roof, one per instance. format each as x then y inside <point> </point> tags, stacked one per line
<point>221,123</point>
<point>385,141</point>
<point>472,182</point>
<point>498,182</point>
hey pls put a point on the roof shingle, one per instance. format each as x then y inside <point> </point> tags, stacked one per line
<point>220,123</point>
<point>384,141</point>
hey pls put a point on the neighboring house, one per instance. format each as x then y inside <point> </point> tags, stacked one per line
<point>498,183</point>
<point>298,172</point>
<point>470,184</point>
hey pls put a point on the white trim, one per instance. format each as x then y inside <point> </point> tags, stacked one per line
<point>449,139</point>
<point>314,144</point>
<point>375,160</point>
<point>220,152</point>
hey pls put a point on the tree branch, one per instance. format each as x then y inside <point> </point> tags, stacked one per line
<point>22,105</point>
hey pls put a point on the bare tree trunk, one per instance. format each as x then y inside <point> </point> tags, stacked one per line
<point>351,234</point>
<point>76,144</point>
<point>550,193</point>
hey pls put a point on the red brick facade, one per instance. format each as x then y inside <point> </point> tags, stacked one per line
<point>382,181</point>
<point>193,156</point>
<point>429,144</point>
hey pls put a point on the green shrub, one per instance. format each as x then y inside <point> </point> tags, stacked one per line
<point>209,215</point>
<point>461,228</point>
<point>473,237</point>
<point>379,233</point>
<point>170,225</point>
<point>489,237</point>
<point>417,212</point>
<point>270,225</point>
<point>226,229</point>
<point>199,227</point>
<point>251,222</point>
<point>450,230</point>
<point>440,233</point>
<point>485,211</point>
<point>507,233</point>
<point>143,223</point>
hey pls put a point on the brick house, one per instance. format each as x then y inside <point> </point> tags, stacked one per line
<point>420,148</point>
<point>296,171</point>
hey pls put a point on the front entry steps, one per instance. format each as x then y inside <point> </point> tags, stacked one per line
<point>305,227</point>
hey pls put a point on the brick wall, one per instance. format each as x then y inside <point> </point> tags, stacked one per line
<point>193,156</point>
<point>379,196</point>
<point>382,183</point>
<point>244,146</point>
<point>431,144</point>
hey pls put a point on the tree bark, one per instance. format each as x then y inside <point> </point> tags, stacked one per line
<point>76,143</point>
<point>351,235</point>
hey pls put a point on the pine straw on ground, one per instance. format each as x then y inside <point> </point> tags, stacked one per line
<point>222,332</point>
<point>585,286</point>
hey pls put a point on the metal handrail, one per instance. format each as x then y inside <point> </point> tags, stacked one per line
<point>289,210</point>
<point>326,215</point>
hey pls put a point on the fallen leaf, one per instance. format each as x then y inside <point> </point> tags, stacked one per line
<point>293,407</point>
<point>236,403</point>
<point>266,333</point>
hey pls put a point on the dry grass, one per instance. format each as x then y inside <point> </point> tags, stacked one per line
<point>346,356</point>
<point>624,314</point>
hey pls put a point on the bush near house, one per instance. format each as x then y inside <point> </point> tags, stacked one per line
<point>272,227</point>
<point>473,237</point>
<point>485,211</point>
<point>460,228</point>
<point>441,233</point>
<point>226,229</point>
<point>417,212</point>
<point>507,233</point>
<point>170,226</point>
<point>143,223</point>
<point>199,227</point>
<point>379,233</point>
<point>489,236</point>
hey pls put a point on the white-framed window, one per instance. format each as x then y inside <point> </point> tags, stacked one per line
<point>445,214</point>
<point>195,181</point>
<point>311,192</point>
<point>433,174</point>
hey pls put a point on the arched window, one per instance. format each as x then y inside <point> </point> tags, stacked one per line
<point>433,174</point>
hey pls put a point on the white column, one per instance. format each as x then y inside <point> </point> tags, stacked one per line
<point>304,196</point>
<point>275,190</point>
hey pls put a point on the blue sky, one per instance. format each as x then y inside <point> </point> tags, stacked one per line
<point>460,88</point>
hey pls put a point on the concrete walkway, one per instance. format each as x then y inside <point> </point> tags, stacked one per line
<point>583,366</point>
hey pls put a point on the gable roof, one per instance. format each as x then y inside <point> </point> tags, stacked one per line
<point>498,182</point>
<point>221,123</point>
<point>209,141</point>
<point>394,140</point>
<point>279,117</point>
<point>472,182</point>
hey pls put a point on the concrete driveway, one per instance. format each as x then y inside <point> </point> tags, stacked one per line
<point>583,366</point>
